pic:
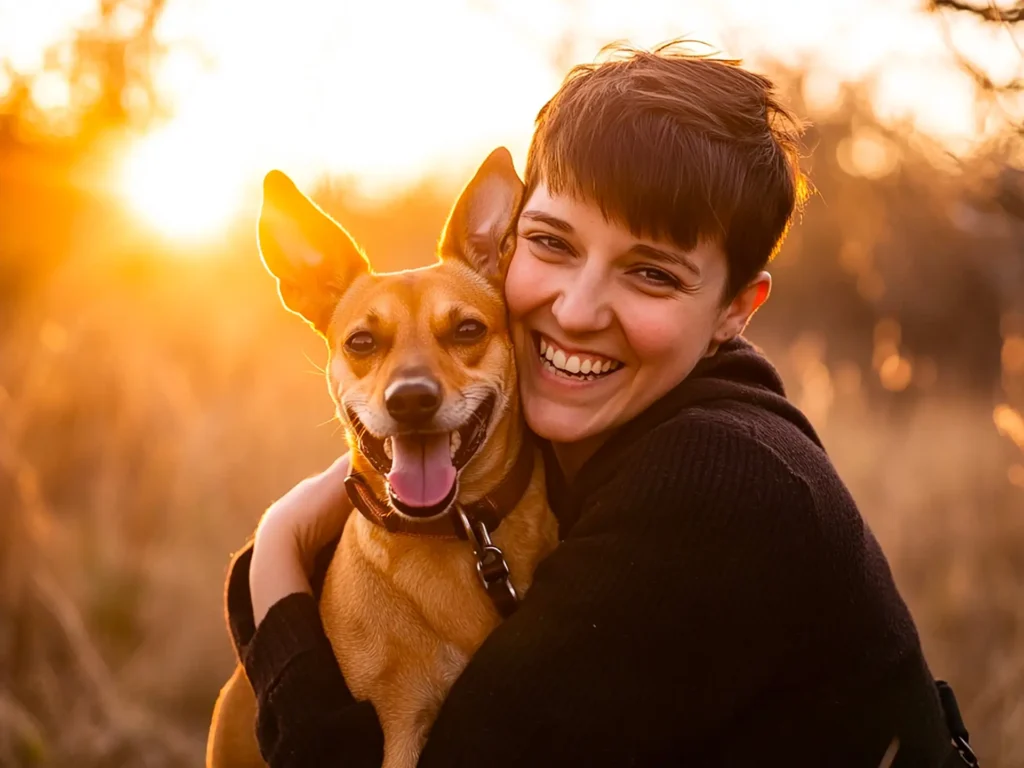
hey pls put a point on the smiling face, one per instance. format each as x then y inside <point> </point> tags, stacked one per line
<point>659,184</point>
<point>586,295</point>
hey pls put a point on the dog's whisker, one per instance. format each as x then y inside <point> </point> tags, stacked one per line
<point>321,371</point>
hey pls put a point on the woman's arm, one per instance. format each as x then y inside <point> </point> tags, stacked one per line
<point>641,629</point>
<point>306,714</point>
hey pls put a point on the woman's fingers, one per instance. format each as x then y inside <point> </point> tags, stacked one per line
<point>312,513</point>
<point>340,468</point>
<point>326,518</point>
<point>293,531</point>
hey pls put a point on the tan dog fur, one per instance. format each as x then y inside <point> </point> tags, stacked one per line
<point>404,614</point>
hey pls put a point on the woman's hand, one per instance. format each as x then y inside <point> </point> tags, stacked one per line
<point>291,534</point>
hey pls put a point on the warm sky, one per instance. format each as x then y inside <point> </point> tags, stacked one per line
<point>389,91</point>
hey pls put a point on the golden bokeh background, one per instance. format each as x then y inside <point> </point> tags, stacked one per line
<point>155,397</point>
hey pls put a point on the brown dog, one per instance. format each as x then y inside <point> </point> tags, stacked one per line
<point>421,368</point>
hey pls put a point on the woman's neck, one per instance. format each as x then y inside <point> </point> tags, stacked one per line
<point>572,456</point>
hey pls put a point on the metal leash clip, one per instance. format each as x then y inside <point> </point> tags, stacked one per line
<point>955,723</point>
<point>963,748</point>
<point>491,565</point>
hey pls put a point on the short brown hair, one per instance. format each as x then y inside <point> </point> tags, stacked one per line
<point>678,146</point>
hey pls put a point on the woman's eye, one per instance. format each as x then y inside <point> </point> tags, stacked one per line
<point>658,278</point>
<point>549,242</point>
<point>361,343</point>
<point>469,331</point>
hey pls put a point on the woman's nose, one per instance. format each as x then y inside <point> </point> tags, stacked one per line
<point>580,307</point>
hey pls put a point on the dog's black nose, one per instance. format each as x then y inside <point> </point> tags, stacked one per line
<point>413,400</point>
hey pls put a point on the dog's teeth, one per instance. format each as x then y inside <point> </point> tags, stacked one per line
<point>387,448</point>
<point>550,353</point>
<point>456,443</point>
<point>543,347</point>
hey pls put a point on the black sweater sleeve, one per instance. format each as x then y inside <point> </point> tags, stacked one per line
<point>306,714</point>
<point>671,605</point>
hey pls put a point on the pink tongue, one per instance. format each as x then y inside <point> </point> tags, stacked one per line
<point>421,473</point>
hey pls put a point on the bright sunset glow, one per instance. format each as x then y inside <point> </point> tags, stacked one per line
<point>386,93</point>
<point>179,186</point>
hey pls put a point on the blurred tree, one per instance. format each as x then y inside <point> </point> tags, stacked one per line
<point>58,700</point>
<point>113,64</point>
<point>50,149</point>
<point>107,68</point>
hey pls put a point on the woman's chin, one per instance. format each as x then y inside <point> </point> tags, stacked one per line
<point>558,423</point>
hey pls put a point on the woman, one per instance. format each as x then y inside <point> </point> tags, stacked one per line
<point>716,598</point>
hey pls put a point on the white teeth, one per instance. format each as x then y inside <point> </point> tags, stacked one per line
<point>387,448</point>
<point>456,443</point>
<point>574,364</point>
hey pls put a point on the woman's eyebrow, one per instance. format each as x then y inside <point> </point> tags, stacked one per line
<point>547,218</point>
<point>667,257</point>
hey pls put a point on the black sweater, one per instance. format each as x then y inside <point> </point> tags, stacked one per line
<point>716,600</point>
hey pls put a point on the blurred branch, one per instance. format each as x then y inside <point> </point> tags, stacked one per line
<point>981,79</point>
<point>986,12</point>
<point>988,90</point>
<point>128,728</point>
<point>21,734</point>
<point>58,697</point>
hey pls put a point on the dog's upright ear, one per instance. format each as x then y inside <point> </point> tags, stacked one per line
<point>312,257</point>
<point>482,214</point>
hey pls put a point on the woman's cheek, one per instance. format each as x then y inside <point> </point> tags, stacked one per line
<point>523,283</point>
<point>663,336</point>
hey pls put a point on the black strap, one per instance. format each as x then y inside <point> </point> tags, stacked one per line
<point>955,724</point>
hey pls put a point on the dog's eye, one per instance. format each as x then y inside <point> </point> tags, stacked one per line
<point>469,331</point>
<point>361,343</point>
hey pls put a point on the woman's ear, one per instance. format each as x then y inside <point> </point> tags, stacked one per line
<point>737,313</point>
